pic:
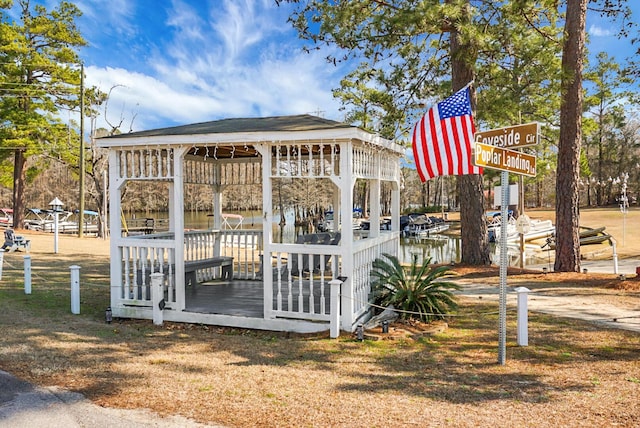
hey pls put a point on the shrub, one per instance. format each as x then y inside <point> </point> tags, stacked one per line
<point>418,290</point>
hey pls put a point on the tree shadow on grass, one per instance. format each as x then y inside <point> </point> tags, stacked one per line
<point>457,366</point>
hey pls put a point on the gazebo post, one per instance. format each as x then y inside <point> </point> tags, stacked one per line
<point>395,206</point>
<point>267,233</point>
<point>217,200</point>
<point>374,208</point>
<point>217,207</point>
<point>217,215</point>
<point>347,184</point>
<point>177,212</point>
<point>171,207</point>
<point>115,226</point>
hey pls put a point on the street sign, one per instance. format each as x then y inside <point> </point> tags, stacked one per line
<point>511,136</point>
<point>493,157</point>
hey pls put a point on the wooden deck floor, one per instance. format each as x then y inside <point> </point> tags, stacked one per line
<point>243,298</point>
<point>240,298</point>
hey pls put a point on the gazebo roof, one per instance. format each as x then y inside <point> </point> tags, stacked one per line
<point>303,122</point>
<point>242,131</point>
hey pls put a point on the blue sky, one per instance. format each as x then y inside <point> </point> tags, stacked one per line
<point>171,62</point>
<point>176,61</point>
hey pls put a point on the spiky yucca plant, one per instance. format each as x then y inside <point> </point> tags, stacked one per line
<point>413,288</point>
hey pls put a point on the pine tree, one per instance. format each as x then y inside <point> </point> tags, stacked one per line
<point>39,79</point>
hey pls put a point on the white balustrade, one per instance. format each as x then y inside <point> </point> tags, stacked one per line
<point>366,251</point>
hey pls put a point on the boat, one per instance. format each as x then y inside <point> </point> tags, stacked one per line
<point>90,221</point>
<point>327,224</point>
<point>385,224</point>
<point>6,217</point>
<point>44,221</point>
<point>422,226</point>
<point>588,236</point>
<point>538,229</point>
<point>494,226</point>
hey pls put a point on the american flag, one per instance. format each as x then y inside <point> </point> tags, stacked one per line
<point>442,138</point>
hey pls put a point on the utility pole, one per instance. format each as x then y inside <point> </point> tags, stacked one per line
<point>82,165</point>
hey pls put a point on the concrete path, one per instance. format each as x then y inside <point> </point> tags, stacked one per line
<point>572,306</point>
<point>23,405</point>
<point>625,266</point>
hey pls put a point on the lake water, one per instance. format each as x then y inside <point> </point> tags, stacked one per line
<point>440,248</point>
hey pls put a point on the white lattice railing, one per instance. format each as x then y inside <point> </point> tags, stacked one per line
<point>301,275</point>
<point>389,167</point>
<point>140,258</point>
<point>366,251</point>
<point>245,246</point>
<point>300,272</point>
<point>221,172</point>
<point>145,163</point>
<point>365,162</point>
<point>306,160</point>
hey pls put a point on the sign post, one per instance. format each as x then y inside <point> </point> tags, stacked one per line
<point>504,264</point>
<point>493,149</point>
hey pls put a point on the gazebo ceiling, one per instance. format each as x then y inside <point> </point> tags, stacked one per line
<point>230,151</point>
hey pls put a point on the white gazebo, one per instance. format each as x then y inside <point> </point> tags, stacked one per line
<point>321,282</point>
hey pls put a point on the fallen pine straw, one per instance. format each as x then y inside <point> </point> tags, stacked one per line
<point>572,373</point>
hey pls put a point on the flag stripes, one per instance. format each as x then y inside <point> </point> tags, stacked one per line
<point>442,138</point>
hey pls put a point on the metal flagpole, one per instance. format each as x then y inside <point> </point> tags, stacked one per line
<point>504,263</point>
<point>81,160</point>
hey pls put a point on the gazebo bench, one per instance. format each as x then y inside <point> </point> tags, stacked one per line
<point>192,266</point>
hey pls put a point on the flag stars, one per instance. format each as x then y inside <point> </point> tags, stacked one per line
<point>456,105</point>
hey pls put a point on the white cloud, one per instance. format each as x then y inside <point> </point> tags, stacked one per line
<point>596,31</point>
<point>113,20</point>
<point>147,101</point>
<point>185,21</point>
<point>297,85</point>
<point>235,65</point>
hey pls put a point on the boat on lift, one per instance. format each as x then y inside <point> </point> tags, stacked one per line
<point>423,226</point>
<point>44,221</point>
<point>6,217</point>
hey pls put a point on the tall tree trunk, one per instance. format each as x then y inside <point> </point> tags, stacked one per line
<point>474,235</point>
<point>18,189</point>
<point>600,164</point>
<point>567,203</point>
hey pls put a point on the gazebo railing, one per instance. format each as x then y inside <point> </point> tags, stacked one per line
<point>245,246</point>
<point>140,258</point>
<point>301,274</point>
<point>365,252</point>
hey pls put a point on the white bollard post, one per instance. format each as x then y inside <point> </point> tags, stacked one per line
<point>1,261</point>
<point>75,289</point>
<point>523,320</point>
<point>157,298</point>
<point>27,274</point>
<point>55,233</point>
<point>334,323</point>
